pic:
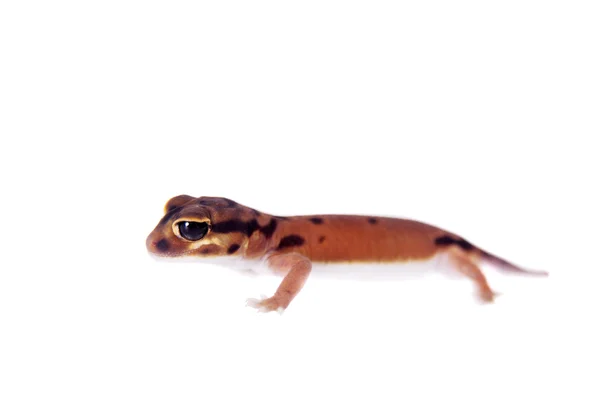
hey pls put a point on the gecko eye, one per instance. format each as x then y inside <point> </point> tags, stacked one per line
<point>192,230</point>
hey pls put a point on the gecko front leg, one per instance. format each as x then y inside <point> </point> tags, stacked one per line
<point>297,268</point>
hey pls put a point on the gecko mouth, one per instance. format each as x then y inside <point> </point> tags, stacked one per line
<point>175,258</point>
<point>162,249</point>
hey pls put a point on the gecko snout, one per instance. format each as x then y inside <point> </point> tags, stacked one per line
<point>157,245</point>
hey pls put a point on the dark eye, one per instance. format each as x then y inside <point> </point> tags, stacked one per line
<point>192,230</point>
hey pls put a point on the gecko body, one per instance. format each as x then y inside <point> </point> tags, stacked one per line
<point>217,228</point>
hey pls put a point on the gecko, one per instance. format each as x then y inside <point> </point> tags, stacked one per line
<point>216,228</point>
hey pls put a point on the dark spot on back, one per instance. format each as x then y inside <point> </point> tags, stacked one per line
<point>282,218</point>
<point>448,241</point>
<point>321,239</point>
<point>252,227</point>
<point>290,241</point>
<point>372,221</point>
<point>162,245</point>
<point>316,220</point>
<point>444,241</point>
<point>463,244</point>
<point>269,229</point>
<point>233,248</point>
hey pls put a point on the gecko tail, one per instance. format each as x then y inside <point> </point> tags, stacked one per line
<point>450,240</point>
<point>508,266</point>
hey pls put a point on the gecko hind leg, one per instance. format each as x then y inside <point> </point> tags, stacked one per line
<point>467,267</point>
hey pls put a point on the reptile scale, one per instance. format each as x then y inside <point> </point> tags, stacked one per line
<point>216,227</point>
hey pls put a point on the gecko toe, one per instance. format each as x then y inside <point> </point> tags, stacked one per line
<point>254,303</point>
<point>266,305</point>
<point>258,305</point>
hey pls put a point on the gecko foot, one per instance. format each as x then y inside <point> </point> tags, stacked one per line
<point>267,304</point>
<point>488,296</point>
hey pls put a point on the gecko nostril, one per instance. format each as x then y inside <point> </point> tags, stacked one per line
<point>162,245</point>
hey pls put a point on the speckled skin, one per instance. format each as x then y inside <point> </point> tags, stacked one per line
<point>289,245</point>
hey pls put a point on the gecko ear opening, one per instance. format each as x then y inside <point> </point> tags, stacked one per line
<point>177,201</point>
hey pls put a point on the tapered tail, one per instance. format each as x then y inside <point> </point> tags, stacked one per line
<point>505,265</point>
<point>451,240</point>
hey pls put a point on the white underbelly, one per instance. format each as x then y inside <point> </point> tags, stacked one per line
<point>359,271</point>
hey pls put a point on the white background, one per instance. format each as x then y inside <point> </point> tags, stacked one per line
<point>475,117</point>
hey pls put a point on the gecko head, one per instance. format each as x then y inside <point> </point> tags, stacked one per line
<point>201,227</point>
